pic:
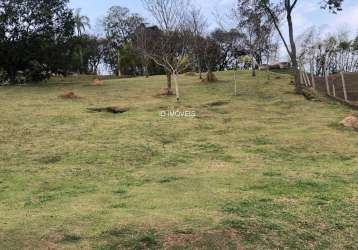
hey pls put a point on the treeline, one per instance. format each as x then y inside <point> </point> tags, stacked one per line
<point>331,54</point>
<point>40,38</point>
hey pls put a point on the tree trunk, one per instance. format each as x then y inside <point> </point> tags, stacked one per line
<point>146,71</point>
<point>81,60</point>
<point>118,65</point>
<point>293,54</point>
<point>253,65</point>
<point>235,80</point>
<point>176,86</point>
<point>169,80</point>
<point>210,77</point>
<point>298,86</point>
<point>200,73</point>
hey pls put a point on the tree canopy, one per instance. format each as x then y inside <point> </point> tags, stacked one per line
<point>35,33</point>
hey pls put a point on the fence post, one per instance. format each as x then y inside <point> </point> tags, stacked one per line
<point>304,78</point>
<point>327,83</point>
<point>334,90</point>
<point>235,81</point>
<point>313,81</point>
<point>344,87</point>
<point>301,82</point>
<point>308,79</point>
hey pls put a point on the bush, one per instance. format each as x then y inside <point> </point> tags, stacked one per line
<point>37,72</point>
<point>3,76</point>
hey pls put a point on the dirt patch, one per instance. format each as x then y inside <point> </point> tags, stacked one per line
<point>218,239</point>
<point>210,77</point>
<point>164,92</point>
<point>350,121</point>
<point>69,95</point>
<point>216,103</point>
<point>113,109</point>
<point>190,74</point>
<point>97,82</point>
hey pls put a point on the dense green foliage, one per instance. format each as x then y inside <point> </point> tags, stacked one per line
<point>35,37</point>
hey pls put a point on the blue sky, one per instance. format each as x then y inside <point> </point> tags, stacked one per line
<point>307,13</point>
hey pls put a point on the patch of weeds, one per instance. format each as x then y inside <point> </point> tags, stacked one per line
<point>338,126</point>
<point>70,238</point>
<point>169,179</point>
<point>254,230</point>
<point>173,160</point>
<point>146,240</point>
<point>121,190</point>
<point>259,207</point>
<point>262,141</point>
<point>167,140</point>
<point>136,154</point>
<point>119,205</point>
<point>149,239</point>
<point>39,200</point>
<point>210,148</point>
<point>238,224</point>
<point>271,174</point>
<point>109,246</point>
<point>278,153</point>
<point>49,159</point>
<point>226,158</point>
<point>336,225</point>
<point>343,157</point>
<point>206,126</point>
<point>131,181</point>
<point>119,231</point>
<point>47,194</point>
<point>310,185</point>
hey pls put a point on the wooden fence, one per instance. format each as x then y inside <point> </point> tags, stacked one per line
<point>342,87</point>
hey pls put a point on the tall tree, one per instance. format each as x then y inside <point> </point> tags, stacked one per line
<point>287,7</point>
<point>256,27</point>
<point>171,48</point>
<point>119,25</point>
<point>35,33</point>
<point>229,42</point>
<point>196,24</point>
<point>82,23</point>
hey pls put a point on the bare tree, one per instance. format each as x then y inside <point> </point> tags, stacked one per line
<point>196,24</point>
<point>168,14</point>
<point>287,7</point>
<point>257,28</point>
<point>170,48</point>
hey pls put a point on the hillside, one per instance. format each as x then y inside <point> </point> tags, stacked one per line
<point>263,170</point>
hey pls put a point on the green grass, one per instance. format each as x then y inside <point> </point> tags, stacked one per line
<point>266,169</point>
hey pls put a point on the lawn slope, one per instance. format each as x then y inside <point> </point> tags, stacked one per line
<point>263,170</point>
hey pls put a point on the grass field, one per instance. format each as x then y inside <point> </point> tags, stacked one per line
<point>263,170</point>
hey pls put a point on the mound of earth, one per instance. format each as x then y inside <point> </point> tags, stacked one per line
<point>350,121</point>
<point>97,82</point>
<point>216,103</point>
<point>210,77</point>
<point>69,95</point>
<point>190,74</point>
<point>165,92</point>
<point>113,109</point>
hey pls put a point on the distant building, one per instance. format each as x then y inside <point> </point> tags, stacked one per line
<point>264,67</point>
<point>285,65</point>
